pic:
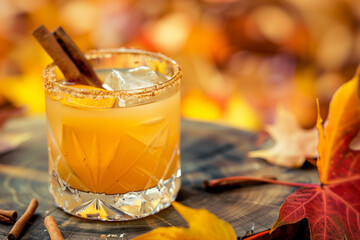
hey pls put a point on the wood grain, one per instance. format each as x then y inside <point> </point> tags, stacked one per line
<point>207,151</point>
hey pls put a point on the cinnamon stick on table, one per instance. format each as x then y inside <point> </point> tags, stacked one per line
<point>20,224</point>
<point>8,216</point>
<point>67,56</point>
<point>52,228</point>
<point>5,219</point>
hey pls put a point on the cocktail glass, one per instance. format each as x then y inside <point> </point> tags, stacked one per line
<point>114,155</point>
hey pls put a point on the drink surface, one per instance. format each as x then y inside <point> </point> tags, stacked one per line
<point>113,150</point>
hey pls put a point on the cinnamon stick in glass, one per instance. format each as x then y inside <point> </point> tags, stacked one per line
<point>67,56</point>
<point>77,57</point>
<point>60,57</point>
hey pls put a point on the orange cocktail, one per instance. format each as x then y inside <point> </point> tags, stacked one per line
<point>114,154</point>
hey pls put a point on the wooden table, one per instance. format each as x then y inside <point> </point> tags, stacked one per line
<point>207,151</point>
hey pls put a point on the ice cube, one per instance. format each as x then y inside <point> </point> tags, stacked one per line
<point>141,77</point>
<point>143,73</point>
<point>114,81</point>
<point>135,78</point>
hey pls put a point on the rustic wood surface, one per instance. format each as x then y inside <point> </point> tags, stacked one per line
<point>207,151</point>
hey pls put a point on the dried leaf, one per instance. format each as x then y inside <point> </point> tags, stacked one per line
<point>292,143</point>
<point>333,208</point>
<point>202,225</point>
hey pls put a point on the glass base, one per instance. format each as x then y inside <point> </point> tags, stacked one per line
<point>117,207</point>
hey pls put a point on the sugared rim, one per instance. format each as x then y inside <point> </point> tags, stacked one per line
<point>51,84</point>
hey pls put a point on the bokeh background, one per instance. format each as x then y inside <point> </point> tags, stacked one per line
<point>241,59</point>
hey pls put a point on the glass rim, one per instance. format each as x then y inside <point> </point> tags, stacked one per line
<point>50,80</point>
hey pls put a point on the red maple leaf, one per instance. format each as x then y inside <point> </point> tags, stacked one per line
<point>333,207</point>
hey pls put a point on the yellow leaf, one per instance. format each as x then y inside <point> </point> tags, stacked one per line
<point>203,225</point>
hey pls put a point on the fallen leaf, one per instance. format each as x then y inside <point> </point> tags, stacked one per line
<point>202,225</point>
<point>332,208</point>
<point>292,143</point>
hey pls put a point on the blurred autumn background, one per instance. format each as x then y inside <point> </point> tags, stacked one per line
<point>240,58</point>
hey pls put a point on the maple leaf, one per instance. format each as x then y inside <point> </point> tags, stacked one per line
<point>292,143</point>
<point>332,208</point>
<point>202,225</point>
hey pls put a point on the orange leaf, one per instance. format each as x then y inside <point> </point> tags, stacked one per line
<point>343,125</point>
<point>202,225</point>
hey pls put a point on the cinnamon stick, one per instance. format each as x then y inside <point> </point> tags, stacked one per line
<point>8,216</point>
<point>52,228</point>
<point>60,57</point>
<point>77,57</point>
<point>20,224</point>
<point>5,219</point>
